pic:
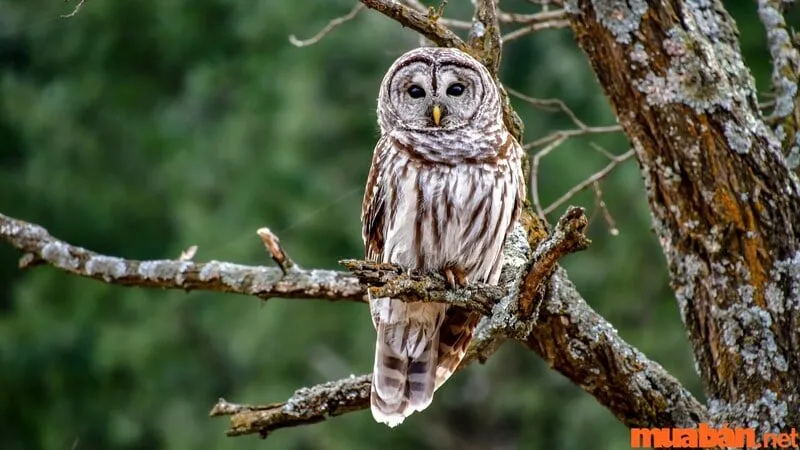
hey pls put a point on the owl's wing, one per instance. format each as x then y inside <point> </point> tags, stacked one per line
<point>373,207</point>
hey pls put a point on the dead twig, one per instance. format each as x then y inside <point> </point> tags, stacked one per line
<point>595,177</point>
<point>273,246</point>
<point>328,28</point>
<point>535,174</point>
<point>75,10</point>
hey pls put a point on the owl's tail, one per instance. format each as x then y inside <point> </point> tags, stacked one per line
<point>454,338</point>
<point>406,350</point>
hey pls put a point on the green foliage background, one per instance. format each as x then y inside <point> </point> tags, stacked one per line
<point>139,128</point>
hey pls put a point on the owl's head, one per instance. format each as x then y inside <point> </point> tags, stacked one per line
<point>437,88</point>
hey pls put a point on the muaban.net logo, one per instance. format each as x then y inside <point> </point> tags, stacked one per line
<point>705,436</point>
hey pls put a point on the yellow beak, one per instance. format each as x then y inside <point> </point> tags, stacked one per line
<point>437,114</point>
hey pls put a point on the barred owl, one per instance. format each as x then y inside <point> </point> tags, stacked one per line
<point>443,192</point>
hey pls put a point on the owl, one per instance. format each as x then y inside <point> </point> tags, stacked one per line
<point>443,192</point>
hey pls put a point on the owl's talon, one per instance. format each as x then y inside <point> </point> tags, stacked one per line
<point>450,278</point>
<point>456,277</point>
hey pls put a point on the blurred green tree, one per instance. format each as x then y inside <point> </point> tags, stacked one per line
<point>140,128</point>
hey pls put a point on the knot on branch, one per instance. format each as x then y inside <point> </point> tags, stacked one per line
<point>567,237</point>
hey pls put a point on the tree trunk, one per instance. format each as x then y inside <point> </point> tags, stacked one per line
<point>725,206</point>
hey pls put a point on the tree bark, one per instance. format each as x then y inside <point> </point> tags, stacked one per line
<point>725,206</point>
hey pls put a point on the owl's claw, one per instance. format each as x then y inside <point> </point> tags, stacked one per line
<point>456,277</point>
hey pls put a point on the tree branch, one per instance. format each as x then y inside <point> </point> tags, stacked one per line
<point>327,29</point>
<point>578,342</point>
<point>262,282</point>
<point>785,76</point>
<point>523,277</point>
<point>413,19</point>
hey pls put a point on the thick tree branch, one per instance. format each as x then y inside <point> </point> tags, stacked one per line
<point>591,354</point>
<point>572,338</point>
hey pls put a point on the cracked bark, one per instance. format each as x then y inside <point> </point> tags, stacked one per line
<point>724,203</point>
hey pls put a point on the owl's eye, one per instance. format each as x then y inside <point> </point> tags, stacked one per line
<point>455,89</point>
<point>416,92</point>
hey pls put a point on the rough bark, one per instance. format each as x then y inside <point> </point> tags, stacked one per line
<point>725,206</point>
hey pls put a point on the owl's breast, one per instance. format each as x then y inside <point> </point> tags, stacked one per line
<point>443,215</point>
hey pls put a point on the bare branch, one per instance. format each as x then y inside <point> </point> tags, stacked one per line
<point>415,20</point>
<point>534,27</point>
<point>262,282</point>
<point>597,176</point>
<point>527,19</point>
<point>600,204</point>
<point>328,28</point>
<point>523,277</point>
<point>563,134</point>
<point>553,141</point>
<point>75,10</point>
<point>307,405</point>
<point>535,173</point>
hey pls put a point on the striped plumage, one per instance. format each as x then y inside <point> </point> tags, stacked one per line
<point>443,191</point>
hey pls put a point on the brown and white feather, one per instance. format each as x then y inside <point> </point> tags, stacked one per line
<point>437,197</point>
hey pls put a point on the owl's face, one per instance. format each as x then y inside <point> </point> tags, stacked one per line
<point>432,88</point>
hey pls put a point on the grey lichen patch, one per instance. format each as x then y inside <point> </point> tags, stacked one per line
<point>706,73</point>
<point>620,17</point>
<point>323,399</point>
<point>688,79</point>
<point>783,289</point>
<point>58,254</point>
<point>639,55</point>
<point>478,29</point>
<point>515,261</point>
<point>703,18</point>
<point>688,270</point>
<point>793,156</point>
<point>163,270</point>
<point>767,414</point>
<point>746,332</point>
<point>210,271</point>
<point>738,140</point>
<point>10,228</point>
<point>110,268</point>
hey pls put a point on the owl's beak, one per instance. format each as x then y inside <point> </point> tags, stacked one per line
<point>437,114</point>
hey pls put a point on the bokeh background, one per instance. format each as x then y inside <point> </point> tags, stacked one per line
<point>139,128</point>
